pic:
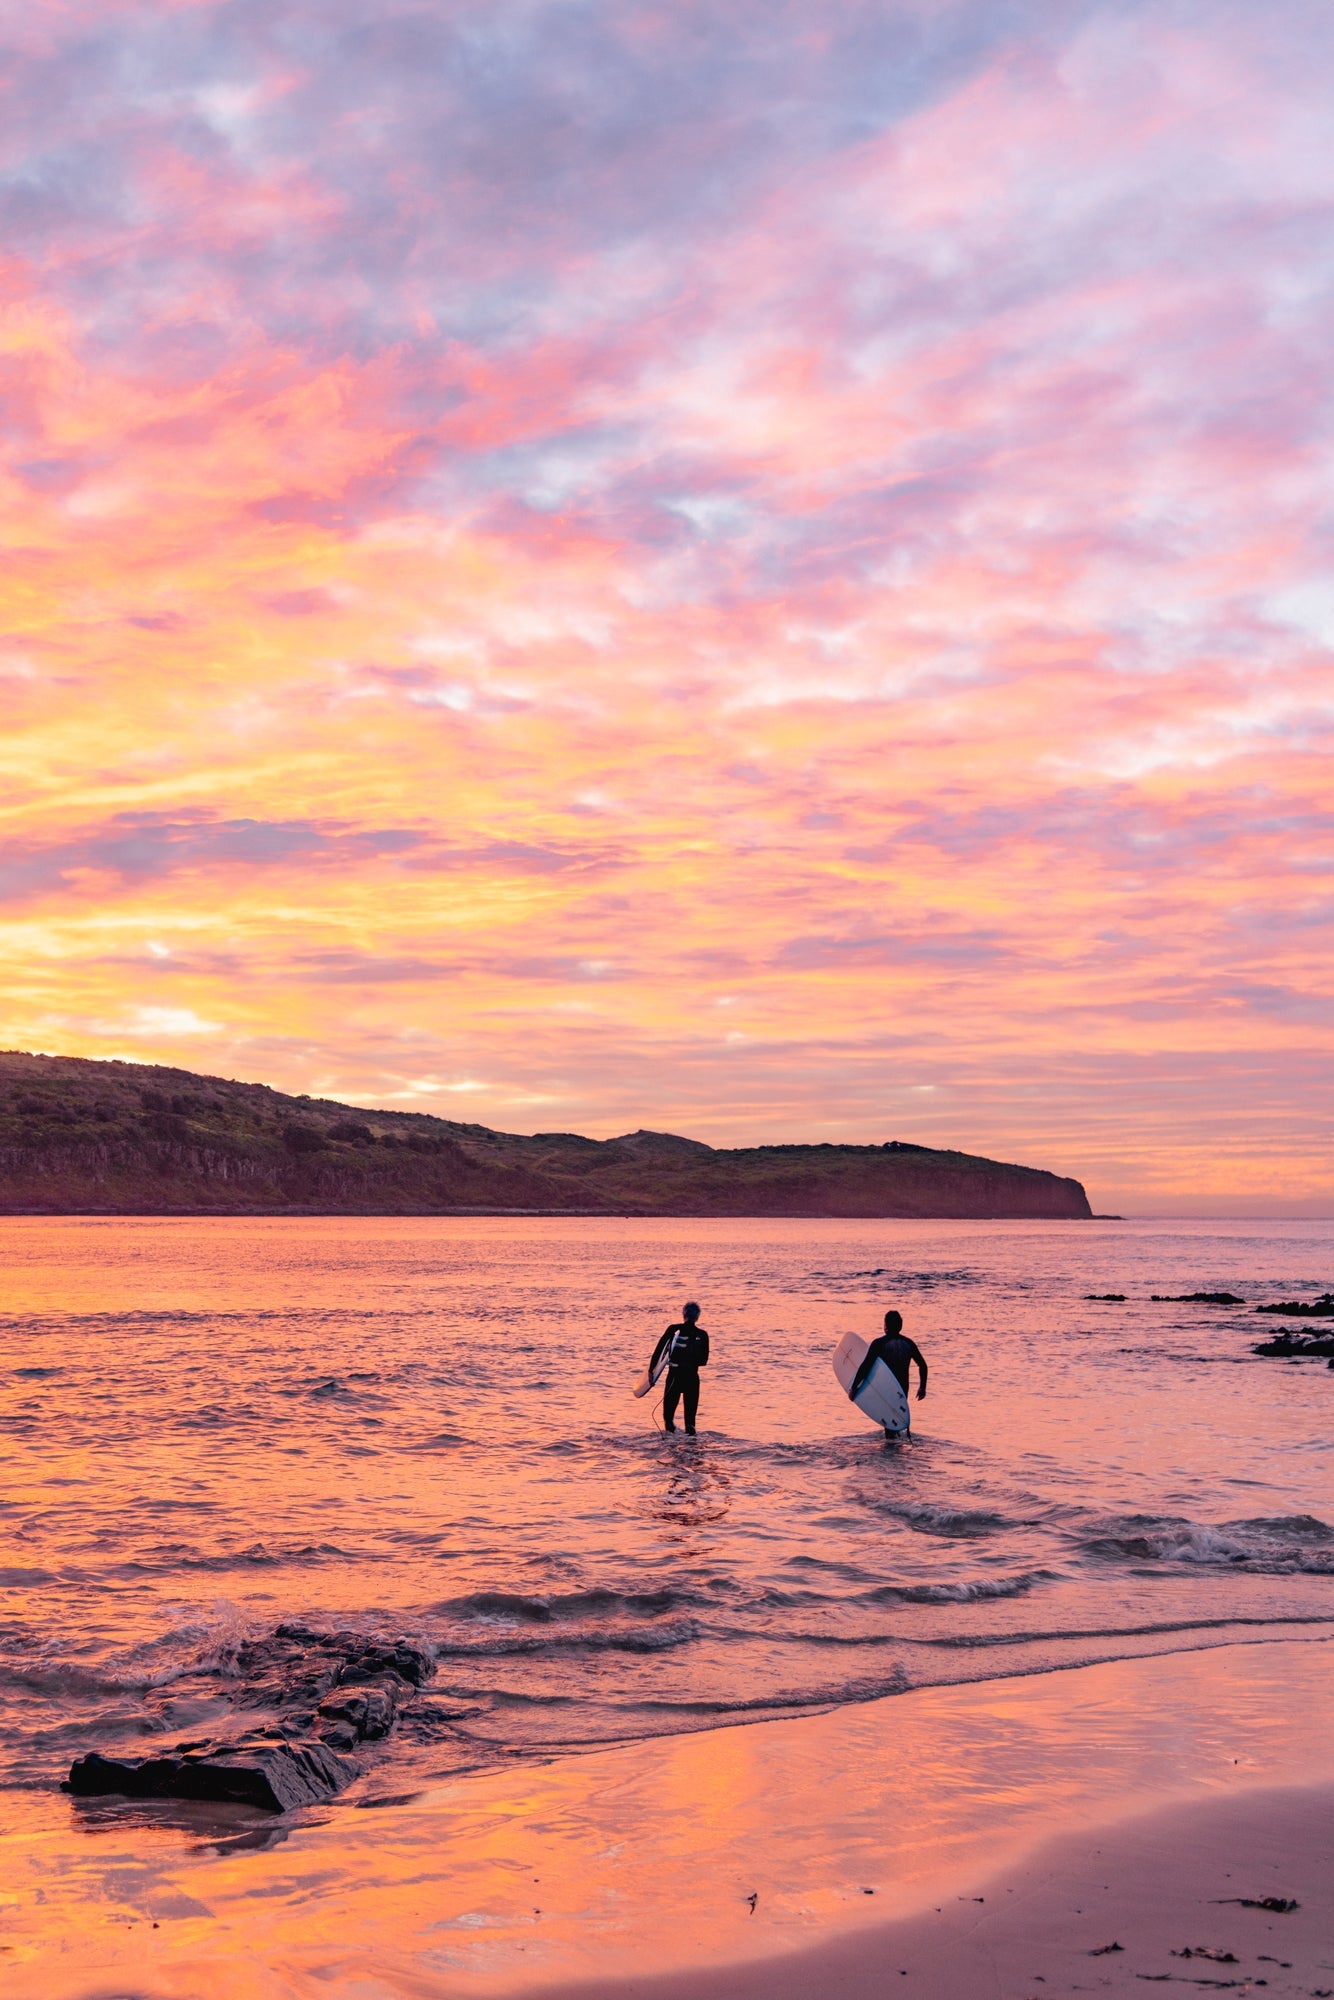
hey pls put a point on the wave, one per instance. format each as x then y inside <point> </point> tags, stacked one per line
<point>1299,1527</point>
<point>983,1591</point>
<point>206,1645</point>
<point>1280,1544</point>
<point>626,1621</point>
<point>788,1701</point>
<point>62,1323</point>
<point>951,1522</point>
<point>1158,1629</point>
<point>515,1606</point>
<point>977,1590</point>
<point>170,1560</point>
<point>507,1643</point>
<point>885,1277</point>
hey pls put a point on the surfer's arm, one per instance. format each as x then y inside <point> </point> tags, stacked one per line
<point>918,1356</point>
<point>660,1349</point>
<point>702,1358</point>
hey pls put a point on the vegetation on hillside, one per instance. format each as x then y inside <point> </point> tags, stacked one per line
<point>120,1138</point>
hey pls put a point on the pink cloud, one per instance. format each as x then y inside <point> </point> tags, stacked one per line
<point>815,533</point>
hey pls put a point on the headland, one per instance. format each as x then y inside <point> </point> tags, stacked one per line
<point>118,1138</point>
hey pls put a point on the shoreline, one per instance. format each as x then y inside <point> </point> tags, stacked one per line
<point>574,1214</point>
<point>631,1869</point>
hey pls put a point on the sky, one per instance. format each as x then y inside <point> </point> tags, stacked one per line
<point>759,571</point>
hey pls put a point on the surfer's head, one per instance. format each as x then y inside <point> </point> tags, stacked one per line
<point>690,1311</point>
<point>893,1322</point>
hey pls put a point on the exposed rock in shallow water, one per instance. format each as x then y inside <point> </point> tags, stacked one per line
<point>327,1694</point>
<point>1197,1299</point>
<point>1289,1346</point>
<point>1321,1308</point>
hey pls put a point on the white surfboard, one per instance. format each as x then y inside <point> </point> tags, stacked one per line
<point>649,1379</point>
<point>881,1396</point>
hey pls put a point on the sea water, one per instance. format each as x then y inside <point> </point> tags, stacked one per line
<point>423,1426</point>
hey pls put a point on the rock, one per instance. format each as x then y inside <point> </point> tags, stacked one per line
<point>1106,1298</point>
<point>368,1714</point>
<point>326,1695</point>
<point>1321,1308</point>
<point>277,1777</point>
<point>1287,1346</point>
<point>1198,1299</point>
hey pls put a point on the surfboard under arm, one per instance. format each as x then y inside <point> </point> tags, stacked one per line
<point>881,1396</point>
<point>650,1377</point>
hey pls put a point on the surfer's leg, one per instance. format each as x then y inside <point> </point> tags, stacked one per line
<point>690,1396</point>
<point>671,1396</point>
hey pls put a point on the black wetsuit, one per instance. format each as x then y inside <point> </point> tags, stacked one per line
<point>896,1351</point>
<point>689,1353</point>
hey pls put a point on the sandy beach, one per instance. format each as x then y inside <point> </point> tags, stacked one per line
<point>1113,1804</point>
<point>1165,1898</point>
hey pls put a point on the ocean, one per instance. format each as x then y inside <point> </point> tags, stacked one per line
<point>423,1427</point>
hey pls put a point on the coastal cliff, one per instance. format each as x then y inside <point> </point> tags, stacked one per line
<point>115,1138</point>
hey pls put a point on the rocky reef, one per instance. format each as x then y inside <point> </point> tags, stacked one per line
<point>1287,1346</point>
<point>326,1696</point>
<point>1292,1346</point>
<point>1197,1299</point>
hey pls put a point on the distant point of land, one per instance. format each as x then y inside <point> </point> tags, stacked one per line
<point>116,1138</point>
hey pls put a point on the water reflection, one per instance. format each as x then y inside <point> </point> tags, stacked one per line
<point>209,1827</point>
<point>697,1489</point>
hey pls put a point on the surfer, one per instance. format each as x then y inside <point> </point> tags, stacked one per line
<point>898,1353</point>
<point>685,1347</point>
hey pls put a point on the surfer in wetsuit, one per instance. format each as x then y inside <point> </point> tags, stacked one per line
<point>686,1348</point>
<point>898,1353</point>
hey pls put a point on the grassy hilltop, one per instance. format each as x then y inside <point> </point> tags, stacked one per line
<point>120,1138</point>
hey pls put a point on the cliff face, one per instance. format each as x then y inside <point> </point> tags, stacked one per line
<point>128,1139</point>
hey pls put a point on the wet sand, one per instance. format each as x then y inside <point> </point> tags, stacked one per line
<point>1153,1901</point>
<point>1104,1804</point>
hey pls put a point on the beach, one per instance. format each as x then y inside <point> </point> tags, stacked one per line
<point>1099,1910</point>
<point>966,1839</point>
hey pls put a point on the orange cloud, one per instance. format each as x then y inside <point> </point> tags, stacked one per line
<point>848,658</point>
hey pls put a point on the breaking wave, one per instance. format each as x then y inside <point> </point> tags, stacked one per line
<point>1282,1544</point>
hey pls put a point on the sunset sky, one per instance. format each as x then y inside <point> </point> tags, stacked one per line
<point>760,570</point>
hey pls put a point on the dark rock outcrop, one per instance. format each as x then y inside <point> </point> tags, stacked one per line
<point>326,1696</point>
<point>1292,1346</point>
<point>1321,1308</point>
<point>278,1777</point>
<point>1197,1299</point>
